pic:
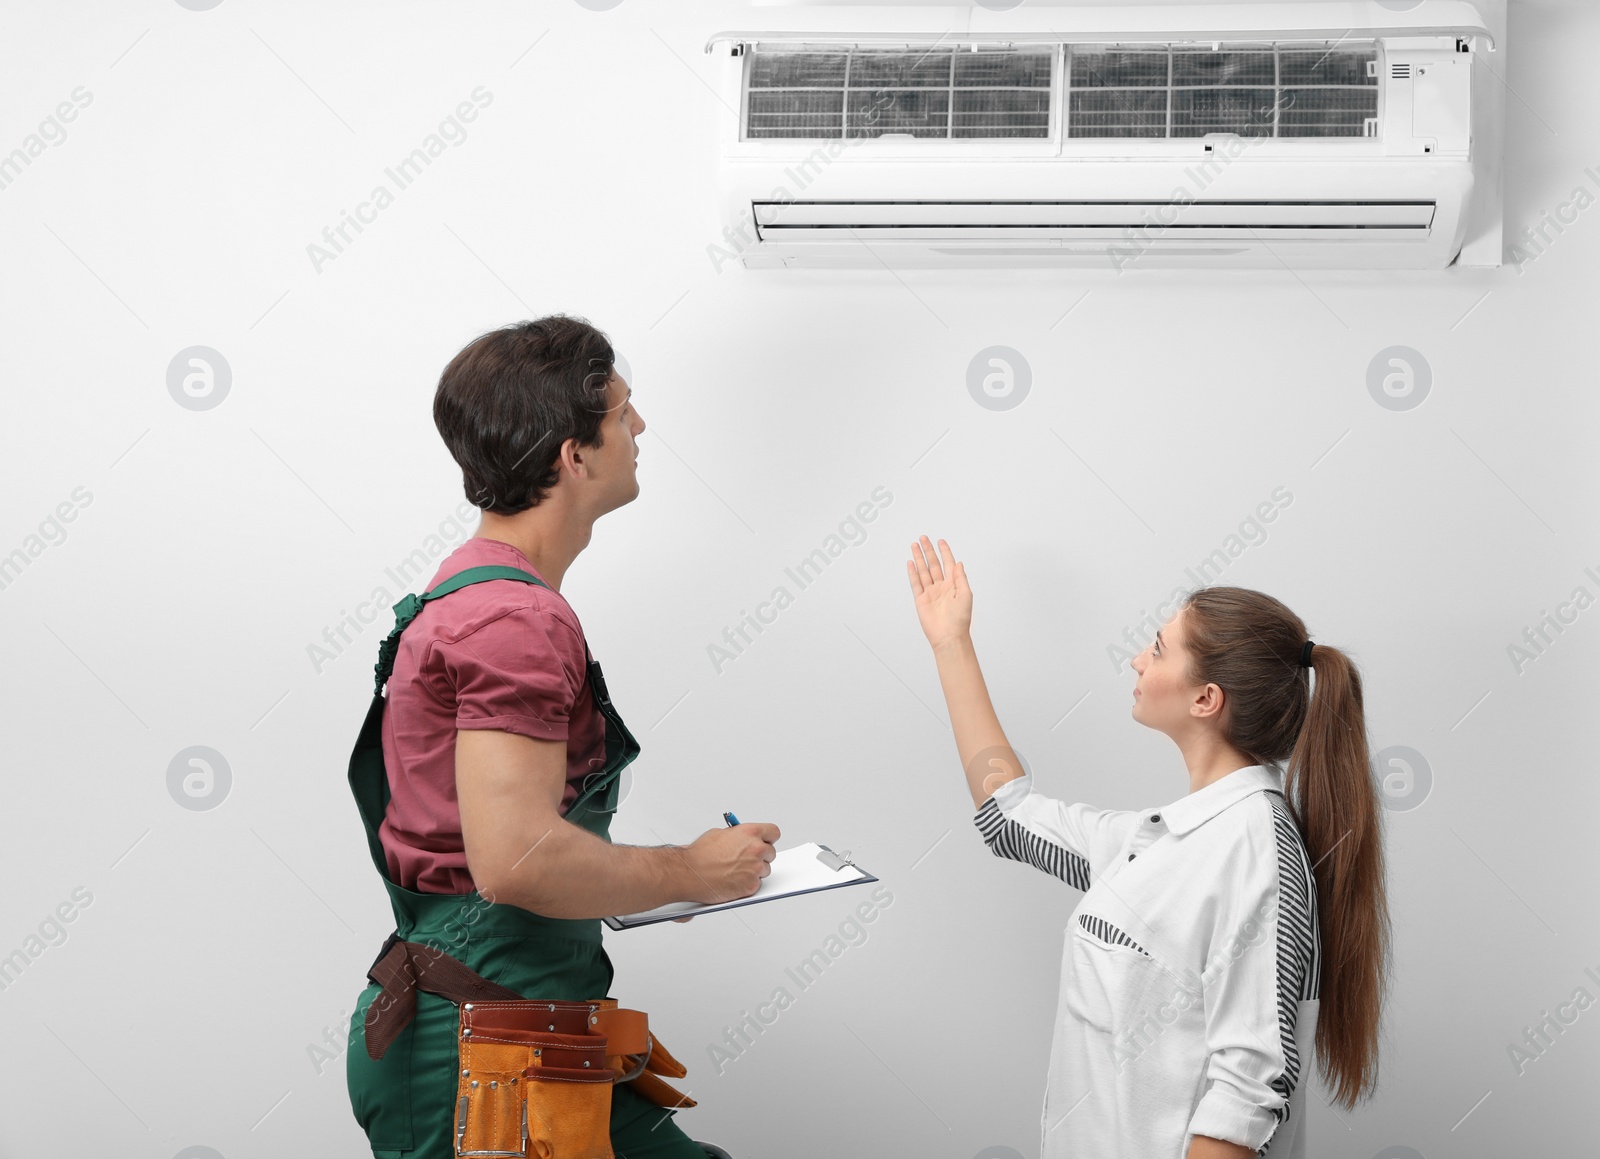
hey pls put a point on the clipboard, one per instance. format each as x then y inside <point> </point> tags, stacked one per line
<point>806,868</point>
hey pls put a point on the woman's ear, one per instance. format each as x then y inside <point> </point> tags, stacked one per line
<point>1208,702</point>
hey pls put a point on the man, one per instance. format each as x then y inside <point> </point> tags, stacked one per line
<point>488,816</point>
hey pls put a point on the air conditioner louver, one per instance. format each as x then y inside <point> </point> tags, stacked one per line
<point>1129,222</point>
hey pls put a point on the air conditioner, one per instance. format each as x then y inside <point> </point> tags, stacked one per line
<point>1269,134</point>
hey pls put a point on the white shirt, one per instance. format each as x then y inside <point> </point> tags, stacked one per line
<point>1188,1000</point>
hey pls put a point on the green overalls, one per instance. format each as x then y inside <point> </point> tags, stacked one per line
<point>405,1100</point>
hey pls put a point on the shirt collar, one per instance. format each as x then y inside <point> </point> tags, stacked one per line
<point>1194,810</point>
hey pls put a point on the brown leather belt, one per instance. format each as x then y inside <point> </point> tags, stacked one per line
<point>626,1031</point>
<point>402,968</point>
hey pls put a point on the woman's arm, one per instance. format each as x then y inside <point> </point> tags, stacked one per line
<point>1205,1147</point>
<point>944,607</point>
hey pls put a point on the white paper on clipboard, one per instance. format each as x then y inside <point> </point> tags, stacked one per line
<point>802,869</point>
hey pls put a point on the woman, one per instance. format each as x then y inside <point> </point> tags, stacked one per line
<point>1194,981</point>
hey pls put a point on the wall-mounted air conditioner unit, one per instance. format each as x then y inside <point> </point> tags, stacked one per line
<point>1270,134</point>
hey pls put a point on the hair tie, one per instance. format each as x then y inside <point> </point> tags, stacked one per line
<point>1305,654</point>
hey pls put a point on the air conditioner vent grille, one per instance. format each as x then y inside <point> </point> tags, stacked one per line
<point>923,92</point>
<point>1155,91</point>
<point>1185,91</point>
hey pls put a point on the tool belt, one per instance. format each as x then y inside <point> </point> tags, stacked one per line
<point>536,1075</point>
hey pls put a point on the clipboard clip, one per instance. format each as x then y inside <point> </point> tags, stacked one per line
<point>832,860</point>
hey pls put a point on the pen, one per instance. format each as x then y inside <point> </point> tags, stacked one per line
<point>730,819</point>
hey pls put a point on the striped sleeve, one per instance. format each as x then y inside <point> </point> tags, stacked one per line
<point>1065,841</point>
<point>1262,966</point>
<point>1298,945</point>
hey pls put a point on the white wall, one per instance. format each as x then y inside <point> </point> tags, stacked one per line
<point>215,546</point>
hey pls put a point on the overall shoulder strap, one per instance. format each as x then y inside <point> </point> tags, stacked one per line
<point>406,610</point>
<point>476,575</point>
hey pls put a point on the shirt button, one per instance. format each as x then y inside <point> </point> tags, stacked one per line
<point>1155,818</point>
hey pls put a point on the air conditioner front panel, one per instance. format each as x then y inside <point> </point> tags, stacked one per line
<point>1381,213</point>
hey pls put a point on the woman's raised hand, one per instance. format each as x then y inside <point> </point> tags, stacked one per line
<point>944,601</point>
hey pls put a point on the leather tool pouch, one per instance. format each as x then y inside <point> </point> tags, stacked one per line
<point>536,1077</point>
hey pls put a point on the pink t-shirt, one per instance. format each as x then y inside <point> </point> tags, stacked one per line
<point>500,655</point>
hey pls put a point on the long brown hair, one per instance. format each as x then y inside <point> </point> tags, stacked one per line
<point>1249,644</point>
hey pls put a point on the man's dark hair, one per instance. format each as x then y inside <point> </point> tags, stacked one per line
<point>511,397</point>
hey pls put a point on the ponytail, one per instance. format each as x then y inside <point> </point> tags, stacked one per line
<point>1333,797</point>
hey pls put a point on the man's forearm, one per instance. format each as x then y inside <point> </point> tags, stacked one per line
<point>569,872</point>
